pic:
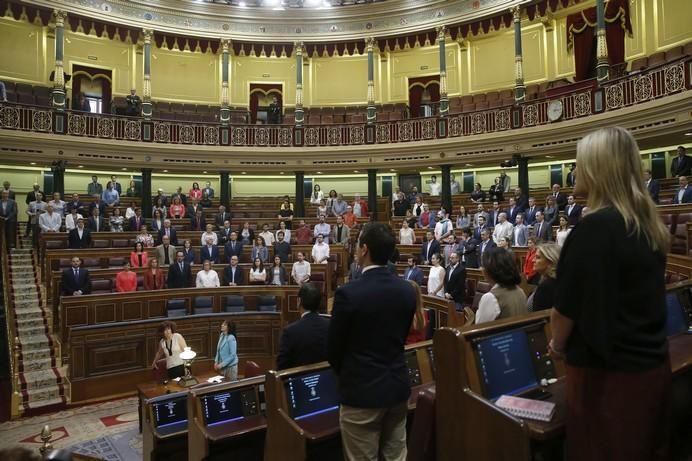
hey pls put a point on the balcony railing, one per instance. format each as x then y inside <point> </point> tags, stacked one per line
<point>581,101</point>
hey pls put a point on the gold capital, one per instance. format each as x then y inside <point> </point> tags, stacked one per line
<point>60,17</point>
<point>516,13</point>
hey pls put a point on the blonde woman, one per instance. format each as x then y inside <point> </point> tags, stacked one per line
<point>419,326</point>
<point>546,257</point>
<point>609,320</point>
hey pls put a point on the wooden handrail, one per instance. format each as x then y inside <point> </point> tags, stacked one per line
<point>10,324</point>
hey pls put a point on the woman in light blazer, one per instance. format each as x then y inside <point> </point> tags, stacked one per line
<point>226,359</point>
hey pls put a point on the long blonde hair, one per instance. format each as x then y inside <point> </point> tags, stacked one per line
<point>609,167</point>
<point>551,253</point>
<point>419,316</point>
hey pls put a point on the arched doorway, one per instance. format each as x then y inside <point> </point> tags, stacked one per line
<point>424,95</point>
<point>261,95</point>
<point>95,84</point>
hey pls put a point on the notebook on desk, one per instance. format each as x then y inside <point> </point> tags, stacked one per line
<point>527,408</point>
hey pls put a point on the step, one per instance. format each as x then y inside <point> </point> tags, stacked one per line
<point>33,342</point>
<point>44,403</point>
<point>38,354</point>
<point>40,378</point>
<point>39,397</point>
<point>27,324</point>
<point>45,363</point>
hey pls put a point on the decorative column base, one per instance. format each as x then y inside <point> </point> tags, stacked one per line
<point>602,70</point>
<point>58,99</point>
<point>147,110</point>
<point>519,92</point>
<point>371,116</point>
<point>300,116</point>
<point>444,106</point>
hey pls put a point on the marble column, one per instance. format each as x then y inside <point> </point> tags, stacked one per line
<point>444,100</point>
<point>146,96</point>
<point>146,192</point>
<point>372,110</point>
<point>519,88</point>
<point>225,115</point>
<point>299,114</point>
<point>602,66</point>
<point>299,204</point>
<point>372,193</point>
<point>58,93</point>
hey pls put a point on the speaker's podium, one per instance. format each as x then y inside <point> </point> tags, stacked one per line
<point>164,429</point>
<point>302,414</point>
<point>477,365</point>
<point>226,421</point>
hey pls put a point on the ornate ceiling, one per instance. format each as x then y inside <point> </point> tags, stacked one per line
<point>282,20</point>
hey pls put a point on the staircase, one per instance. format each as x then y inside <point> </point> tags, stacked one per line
<point>42,386</point>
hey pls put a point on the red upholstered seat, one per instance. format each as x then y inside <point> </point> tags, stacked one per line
<point>252,369</point>
<point>160,373</point>
<point>421,440</point>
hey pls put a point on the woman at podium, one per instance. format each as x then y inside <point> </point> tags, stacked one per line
<point>170,347</point>
<point>609,321</point>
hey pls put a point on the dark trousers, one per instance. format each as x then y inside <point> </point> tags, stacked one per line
<point>11,233</point>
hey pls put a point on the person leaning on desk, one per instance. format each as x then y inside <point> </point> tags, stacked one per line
<point>170,347</point>
<point>609,320</point>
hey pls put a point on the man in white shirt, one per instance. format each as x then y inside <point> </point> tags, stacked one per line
<point>301,269</point>
<point>320,251</point>
<point>454,185</point>
<point>57,204</point>
<point>322,228</point>
<point>435,187</point>
<point>502,229</point>
<point>267,235</point>
<point>71,219</point>
<point>50,221</point>
<point>444,228</point>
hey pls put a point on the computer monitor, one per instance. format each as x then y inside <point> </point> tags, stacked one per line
<point>505,363</point>
<point>224,406</point>
<point>170,410</point>
<point>676,321</point>
<point>311,393</point>
<point>413,368</point>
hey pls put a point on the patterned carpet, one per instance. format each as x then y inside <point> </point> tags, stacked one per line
<point>106,431</point>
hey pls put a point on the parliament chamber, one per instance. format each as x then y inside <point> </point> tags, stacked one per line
<point>310,119</point>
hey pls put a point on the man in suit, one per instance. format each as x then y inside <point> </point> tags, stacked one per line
<point>371,319</point>
<point>79,237</point>
<point>520,199</point>
<point>96,223</point>
<point>486,244</point>
<point>208,190</point>
<point>684,193</point>
<point>221,217</point>
<point>98,203</point>
<point>225,232</point>
<point>168,231</point>
<point>571,176</point>
<point>75,204</point>
<point>282,248</point>
<point>210,252</point>
<point>541,229</point>
<point>136,221</point>
<point>512,211</point>
<point>232,274</point>
<point>94,188</point>
<point>468,249</point>
<point>682,164</point>
<point>340,233</point>
<point>10,192</point>
<point>494,215</point>
<point>482,224</point>
<point>8,210</point>
<point>197,221</point>
<point>653,186</point>
<point>233,247</point>
<point>502,229</point>
<point>304,341</point>
<point>455,281</point>
<point>572,211</point>
<point>31,197</point>
<point>429,248</point>
<point>480,212</point>
<point>559,197</point>
<point>530,212</point>
<point>413,272</point>
<point>520,233</point>
<point>116,185</point>
<point>74,280</point>
<point>179,273</point>
<point>165,252</point>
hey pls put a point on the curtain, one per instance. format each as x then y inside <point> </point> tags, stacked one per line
<point>580,33</point>
<point>417,86</point>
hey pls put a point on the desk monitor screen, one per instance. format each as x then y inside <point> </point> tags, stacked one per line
<point>413,368</point>
<point>675,317</point>
<point>169,411</point>
<point>225,406</point>
<point>312,393</point>
<point>505,363</point>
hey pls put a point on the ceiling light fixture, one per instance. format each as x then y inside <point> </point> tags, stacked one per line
<point>32,163</point>
<point>688,134</point>
<point>165,171</point>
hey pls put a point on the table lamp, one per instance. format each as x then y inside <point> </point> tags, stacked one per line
<point>187,355</point>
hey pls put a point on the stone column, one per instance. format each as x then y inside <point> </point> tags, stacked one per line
<point>446,193</point>
<point>372,193</point>
<point>372,111</point>
<point>225,188</point>
<point>225,115</point>
<point>146,192</point>
<point>299,114</point>
<point>523,163</point>
<point>602,66</point>
<point>299,204</point>
<point>146,96</point>
<point>58,93</point>
<point>444,100</point>
<point>519,88</point>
